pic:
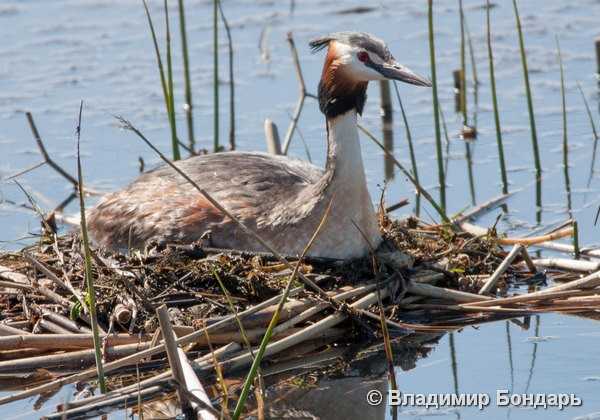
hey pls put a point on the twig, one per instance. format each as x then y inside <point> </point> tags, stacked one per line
<point>47,158</point>
<point>25,171</point>
<point>290,131</point>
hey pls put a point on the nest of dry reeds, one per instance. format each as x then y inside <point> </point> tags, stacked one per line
<point>424,280</point>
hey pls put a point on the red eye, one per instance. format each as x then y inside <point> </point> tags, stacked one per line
<point>363,56</point>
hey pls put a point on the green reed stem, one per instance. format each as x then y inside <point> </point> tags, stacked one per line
<point>447,138</point>
<point>164,85</point>
<point>474,71</point>
<point>594,132</point>
<point>174,140</point>
<point>564,120</point>
<point>463,66</point>
<point>215,76</point>
<point>534,140</point>
<point>186,77</point>
<point>89,280</point>
<point>589,112</point>
<point>495,104</point>
<point>231,79</point>
<point>436,116</point>
<point>471,53</point>
<point>411,148</point>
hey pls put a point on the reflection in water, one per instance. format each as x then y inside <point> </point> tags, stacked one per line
<point>454,367</point>
<point>411,149</point>
<point>538,198</point>
<point>387,127</point>
<point>469,159</point>
<point>534,353</point>
<point>342,393</point>
<point>510,357</point>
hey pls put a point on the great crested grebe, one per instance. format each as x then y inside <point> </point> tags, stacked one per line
<point>282,199</point>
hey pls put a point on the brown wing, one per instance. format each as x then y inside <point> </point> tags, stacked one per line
<point>161,205</point>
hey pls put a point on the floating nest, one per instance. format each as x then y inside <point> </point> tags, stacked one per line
<point>424,280</point>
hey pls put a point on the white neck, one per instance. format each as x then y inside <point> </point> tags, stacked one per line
<point>348,185</point>
<point>344,157</point>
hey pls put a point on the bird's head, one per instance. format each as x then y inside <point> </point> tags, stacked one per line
<point>353,59</point>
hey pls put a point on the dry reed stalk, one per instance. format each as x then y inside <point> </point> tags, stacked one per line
<point>132,359</point>
<point>9,274</point>
<point>133,388</point>
<point>568,249</point>
<point>50,342</point>
<point>495,277</point>
<point>49,326</point>
<point>64,322</point>
<point>423,289</point>
<point>272,137</point>
<point>458,308</point>
<point>533,240</point>
<point>544,295</point>
<point>199,399</point>
<point>173,357</point>
<point>303,94</point>
<point>12,286</point>
<point>306,333</point>
<point>482,208</point>
<point>70,360</point>
<point>567,264</point>
<point>528,261</point>
<point>8,331</point>
<point>104,407</point>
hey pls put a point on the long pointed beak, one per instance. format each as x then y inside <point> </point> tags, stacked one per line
<point>395,71</point>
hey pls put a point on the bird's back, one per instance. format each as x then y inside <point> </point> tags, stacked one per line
<point>259,189</point>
